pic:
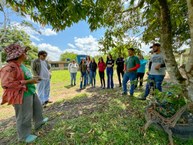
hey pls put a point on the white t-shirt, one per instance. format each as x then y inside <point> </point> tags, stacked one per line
<point>73,67</point>
<point>44,73</point>
<point>157,59</point>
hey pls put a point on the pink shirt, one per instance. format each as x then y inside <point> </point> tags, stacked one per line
<point>13,83</point>
<point>101,66</point>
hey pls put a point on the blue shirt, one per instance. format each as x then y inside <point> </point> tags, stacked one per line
<point>143,63</point>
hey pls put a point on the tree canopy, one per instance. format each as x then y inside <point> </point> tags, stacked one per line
<point>68,55</point>
<point>14,35</point>
<point>60,14</point>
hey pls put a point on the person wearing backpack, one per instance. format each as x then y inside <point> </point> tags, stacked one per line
<point>73,68</point>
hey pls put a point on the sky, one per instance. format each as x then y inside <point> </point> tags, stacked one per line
<point>78,38</point>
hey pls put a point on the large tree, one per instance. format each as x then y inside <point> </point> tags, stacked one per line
<point>68,55</point>
<point>14,35</point>
<point>189,65</point>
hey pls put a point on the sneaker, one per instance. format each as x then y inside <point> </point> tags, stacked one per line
<point>30,138</point>
<point>142,98</point>
<point>44,105</point>
<point>48,101</point>
<point>124,93</point>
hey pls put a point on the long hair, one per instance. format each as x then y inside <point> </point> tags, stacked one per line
<point>109,55</point>
<point>81,61</point>
<point>101,59</point>
<point>87,58</point>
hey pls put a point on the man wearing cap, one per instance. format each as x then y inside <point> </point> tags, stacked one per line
<point>19,90</point>
<point>157,71</point>
<point>41,68</point>
<point>131,65</point>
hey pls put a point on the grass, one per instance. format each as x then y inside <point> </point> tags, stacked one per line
<point>101,117</point>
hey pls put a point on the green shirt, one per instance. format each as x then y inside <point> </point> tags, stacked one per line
<point>131,62</point>
<point>30,87</point>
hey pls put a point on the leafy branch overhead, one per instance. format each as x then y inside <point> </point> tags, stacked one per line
<point>63,14</point>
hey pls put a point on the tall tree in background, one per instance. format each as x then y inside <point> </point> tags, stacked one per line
<point>68,55</point>
<point>14,35</point>
<point>4,23</point>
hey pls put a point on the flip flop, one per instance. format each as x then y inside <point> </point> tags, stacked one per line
<point>45,120</point>
<point>30,138</point>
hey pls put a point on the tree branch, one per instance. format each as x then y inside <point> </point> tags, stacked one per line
<point>134,8</point>
<point>4,22</point>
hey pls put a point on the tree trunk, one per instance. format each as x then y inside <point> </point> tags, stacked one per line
<point>189,65</point>
<point>166,43</point>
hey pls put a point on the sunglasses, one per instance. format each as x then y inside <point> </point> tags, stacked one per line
<point>44,55</point>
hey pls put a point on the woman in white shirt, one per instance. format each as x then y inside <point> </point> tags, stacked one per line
<point>73,68</point>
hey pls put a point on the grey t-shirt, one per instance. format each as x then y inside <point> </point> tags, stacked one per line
<point>157,59</point>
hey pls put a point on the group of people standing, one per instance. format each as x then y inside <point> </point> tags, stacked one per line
<point>131,69</point>
<point>88,68</point>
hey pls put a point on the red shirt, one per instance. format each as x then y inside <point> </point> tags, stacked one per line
<point>13,83</point>
<point>101,66</point>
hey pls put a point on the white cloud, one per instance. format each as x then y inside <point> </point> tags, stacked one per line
<point>54,52</point>
<point>86,45</point>
<point>47,32</point>
<point>32,33</point>
<point>71,45</point>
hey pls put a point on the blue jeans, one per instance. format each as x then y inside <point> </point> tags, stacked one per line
<point>43,89</point>
<point>93,77</point>
<point>73,78</point>
<point>83,78</point>
<point>132,77</point>
<point>154,81</point>
<point>110,83</point>
<point>88,79</point>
